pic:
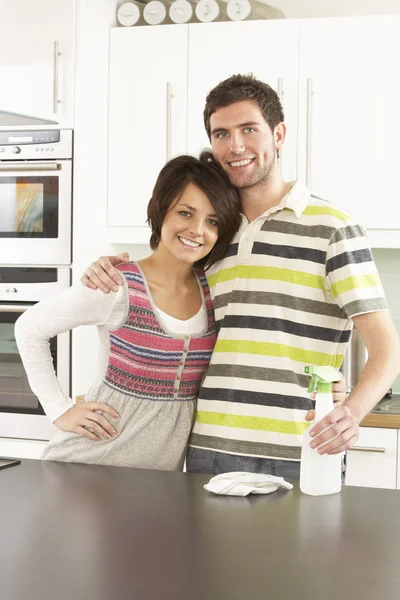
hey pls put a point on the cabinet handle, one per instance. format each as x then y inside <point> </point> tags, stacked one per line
<point>56,100</point>
<point>366,449</point>
<point>168,125</point>
<point>279,91</point>
<point>309,132</point>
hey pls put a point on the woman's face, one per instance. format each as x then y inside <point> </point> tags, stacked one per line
<point>190,227</point>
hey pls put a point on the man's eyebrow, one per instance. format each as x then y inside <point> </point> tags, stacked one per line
<point>246,124</point>
<point>194,210</point>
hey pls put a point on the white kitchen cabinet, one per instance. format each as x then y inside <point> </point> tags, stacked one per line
<point>372,462</point>
<point>350,92</point>
<point>37,59</point>
<point>339,87</point>
<point>147,120</point>
<point>244,47</point>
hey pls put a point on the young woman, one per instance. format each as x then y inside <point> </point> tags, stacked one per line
<point>156,333</point>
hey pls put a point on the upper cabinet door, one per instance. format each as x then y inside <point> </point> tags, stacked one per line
<point>36,59</point>
<point>147,115</point>
<point>349,97</point>
<point>268,49</point>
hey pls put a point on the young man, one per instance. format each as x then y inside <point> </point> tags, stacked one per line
<point>296,277</point>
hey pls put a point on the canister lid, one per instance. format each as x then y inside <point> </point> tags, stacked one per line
<point>207,10</point>
<point>128,14</point>
<point>238,10</point>
<point>154,12</point>
<point>181,11</point>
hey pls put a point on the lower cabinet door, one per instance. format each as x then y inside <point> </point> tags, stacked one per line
<point>372,462</point>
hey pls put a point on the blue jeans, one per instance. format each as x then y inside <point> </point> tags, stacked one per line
<point>214,463</point>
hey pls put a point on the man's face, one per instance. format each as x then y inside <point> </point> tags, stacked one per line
<point>243,143</point>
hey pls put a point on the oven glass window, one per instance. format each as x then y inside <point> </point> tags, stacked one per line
<point>15,393</point>
<point>29,207</point>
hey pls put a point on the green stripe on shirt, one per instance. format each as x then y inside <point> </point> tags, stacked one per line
<point>351,283</point>
<point>255,423</point>
<point>327,210</point>
<point>271,273</point>
<point>309,357</point>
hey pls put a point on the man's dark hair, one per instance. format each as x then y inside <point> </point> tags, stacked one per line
<point>244,87</point>
<point>211,179</point>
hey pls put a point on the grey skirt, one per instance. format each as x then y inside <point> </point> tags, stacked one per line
<point>150,434</point>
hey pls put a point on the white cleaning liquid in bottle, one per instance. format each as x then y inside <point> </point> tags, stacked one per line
<point>320,474</point>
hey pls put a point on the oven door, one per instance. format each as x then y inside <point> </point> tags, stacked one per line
<point>35,202</point>
<point>21,414</point>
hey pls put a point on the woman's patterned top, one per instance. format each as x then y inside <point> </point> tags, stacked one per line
<point>145,360</point>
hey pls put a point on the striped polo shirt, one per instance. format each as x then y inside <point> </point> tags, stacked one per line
<point>284,296</point>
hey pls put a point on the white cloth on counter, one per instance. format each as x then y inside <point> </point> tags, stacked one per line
<point>239,483</point>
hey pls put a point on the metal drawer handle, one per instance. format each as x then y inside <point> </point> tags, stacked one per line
<point>14,308</point>
<point>31,166</point>
<point>366,449</point>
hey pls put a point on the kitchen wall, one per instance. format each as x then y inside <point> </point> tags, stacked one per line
<point>388,263</point>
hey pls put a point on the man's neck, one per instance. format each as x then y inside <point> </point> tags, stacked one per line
<point>259,198</point>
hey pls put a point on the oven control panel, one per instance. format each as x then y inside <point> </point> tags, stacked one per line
<point>36,145</point>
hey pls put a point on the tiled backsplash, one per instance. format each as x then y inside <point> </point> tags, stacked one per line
<point>388,263</point>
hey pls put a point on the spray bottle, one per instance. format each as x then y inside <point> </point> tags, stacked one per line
<point>320,474</point>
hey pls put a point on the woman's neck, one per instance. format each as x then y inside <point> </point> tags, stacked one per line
<point>166,272</point>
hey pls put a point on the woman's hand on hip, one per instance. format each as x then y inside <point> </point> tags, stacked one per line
<point>86,419</point>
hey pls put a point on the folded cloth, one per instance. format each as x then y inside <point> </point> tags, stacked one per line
<point>239,483</point>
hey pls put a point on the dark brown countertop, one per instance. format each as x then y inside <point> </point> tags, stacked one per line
<point>80,532</point>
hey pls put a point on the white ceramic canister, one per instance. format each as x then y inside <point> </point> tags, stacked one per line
<point>240,10</point>
<point>211,10</point>
<point>130,13</point>
<point>156,13</point>
<point>182,11</point>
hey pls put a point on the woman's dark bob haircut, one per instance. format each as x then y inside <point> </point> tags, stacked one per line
<point>211,179</point>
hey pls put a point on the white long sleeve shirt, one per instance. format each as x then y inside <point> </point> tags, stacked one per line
<point>78,305</point>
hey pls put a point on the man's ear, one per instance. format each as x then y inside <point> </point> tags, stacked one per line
<point>279,135</point>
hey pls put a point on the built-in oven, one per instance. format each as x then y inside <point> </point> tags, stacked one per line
<point>35,197</point>
<point>21,414</point>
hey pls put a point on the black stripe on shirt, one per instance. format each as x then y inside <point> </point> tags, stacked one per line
<point>292,252</point>
<point>349,258</point>
<point>258,398</point>
<point>290,327</point>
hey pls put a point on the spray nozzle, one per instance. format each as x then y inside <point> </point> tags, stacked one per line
<point>322,378</point>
